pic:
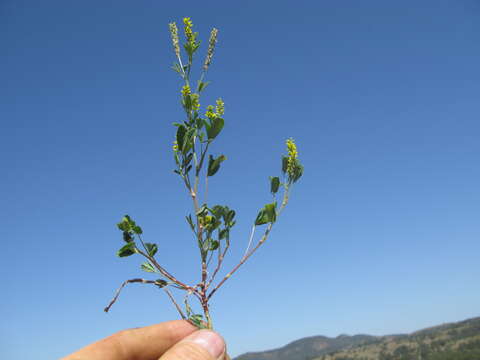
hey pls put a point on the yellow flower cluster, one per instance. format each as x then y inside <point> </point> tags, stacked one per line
<point>195,98</point>
<point>219,110</point>
<point>292,156</point>
<point>220,107</point>
<point>210,114</point>
<point>195,102</point>
<point>188,29</point>
<point>211,48</point>
<point>186,90</point>
<point>175,146</point>
<point>174,34</point>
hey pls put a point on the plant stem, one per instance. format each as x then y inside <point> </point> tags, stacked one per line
<point>221,256</point>
<point>242,261</point>
<point>261,241</point>
<point>175,303</point>
<point>166,273</point>
<point>117,293</point>
<point>250,240</point>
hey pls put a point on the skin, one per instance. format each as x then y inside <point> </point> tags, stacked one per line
<point>166,341</point>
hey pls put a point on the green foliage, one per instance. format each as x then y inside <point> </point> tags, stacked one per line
<point>137,230</point>
<point>146,266</point>
<point>267,215</point>
<point>274,184</point>
<point>297,171</point>
<point>214,164</point>
<point>151,249</point>
<point>195,133</point>
<point>181,132</point>
<point>190,222</point>
<point>161,283</point>
<point>197,320</point>
<point>214,127</point>
<point>127,250</point>
<point>127,236</point>
<point>201,85</point>
<point>129,228</point>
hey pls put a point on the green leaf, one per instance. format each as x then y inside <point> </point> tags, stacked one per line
<point>274,184</point>
<point>146,266</point>
<point>197,320</point>
<point>199,122</point>
<point>122,226</point>
<point>137,230</point>
<point>126,223</point>
<point>229,216</point>
<point>223,234</point>
<point>187,102</point>
<point>298,171</point>
<point>261,218</point>
<point>214,245</point>
<point>188,48</point>
<point>271,210</point>
<point>161,283</point>
<point>203,211</point>
<point>151,249</point>
<point>211,223</point>
<point>181,131</point>
<point>188,159</point>
<point>127,250</point>
<point>177,68</point>
<point>207,244</point>
<point>201,85</point>
<point>127,236</point>
<point>214,127</point>
<point>214,164</point>
<point>127,219</point>
<point>218,211</point>
<point>188,140</point>
<point>190,222</point>
<point>284,164</point>
<point>267,215</point>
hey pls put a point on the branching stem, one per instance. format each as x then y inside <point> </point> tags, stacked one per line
<point>117,293</point>
<point>260,242</point>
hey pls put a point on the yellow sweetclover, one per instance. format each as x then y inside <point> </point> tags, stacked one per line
<point>210,113</point>
<point>292,156</point>
<point>188,29</point>
<point>220,109</point>
<point>186,90</point>
<point>174,33</point>
<point>195,102</point>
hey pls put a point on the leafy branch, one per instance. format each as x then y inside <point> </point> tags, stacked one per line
<point>210,225</point>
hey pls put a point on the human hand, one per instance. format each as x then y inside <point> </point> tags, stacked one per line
<point>172,340</point>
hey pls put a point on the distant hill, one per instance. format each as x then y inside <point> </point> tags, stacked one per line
<point>308,348</point>
<point>455,341</point>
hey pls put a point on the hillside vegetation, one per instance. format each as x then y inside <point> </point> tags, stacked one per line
<point>308,348</point>
<point>455,341</point>
<point>459,341</point>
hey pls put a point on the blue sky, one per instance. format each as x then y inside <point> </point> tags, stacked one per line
<point>381,234</point>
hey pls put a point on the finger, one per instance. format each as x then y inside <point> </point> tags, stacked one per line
<point>147,343</point>
<point>201,345</point>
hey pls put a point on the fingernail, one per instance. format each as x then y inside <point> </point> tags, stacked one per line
<point>210,341</point>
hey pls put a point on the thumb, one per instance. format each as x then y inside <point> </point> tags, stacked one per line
<point>201,345</point>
